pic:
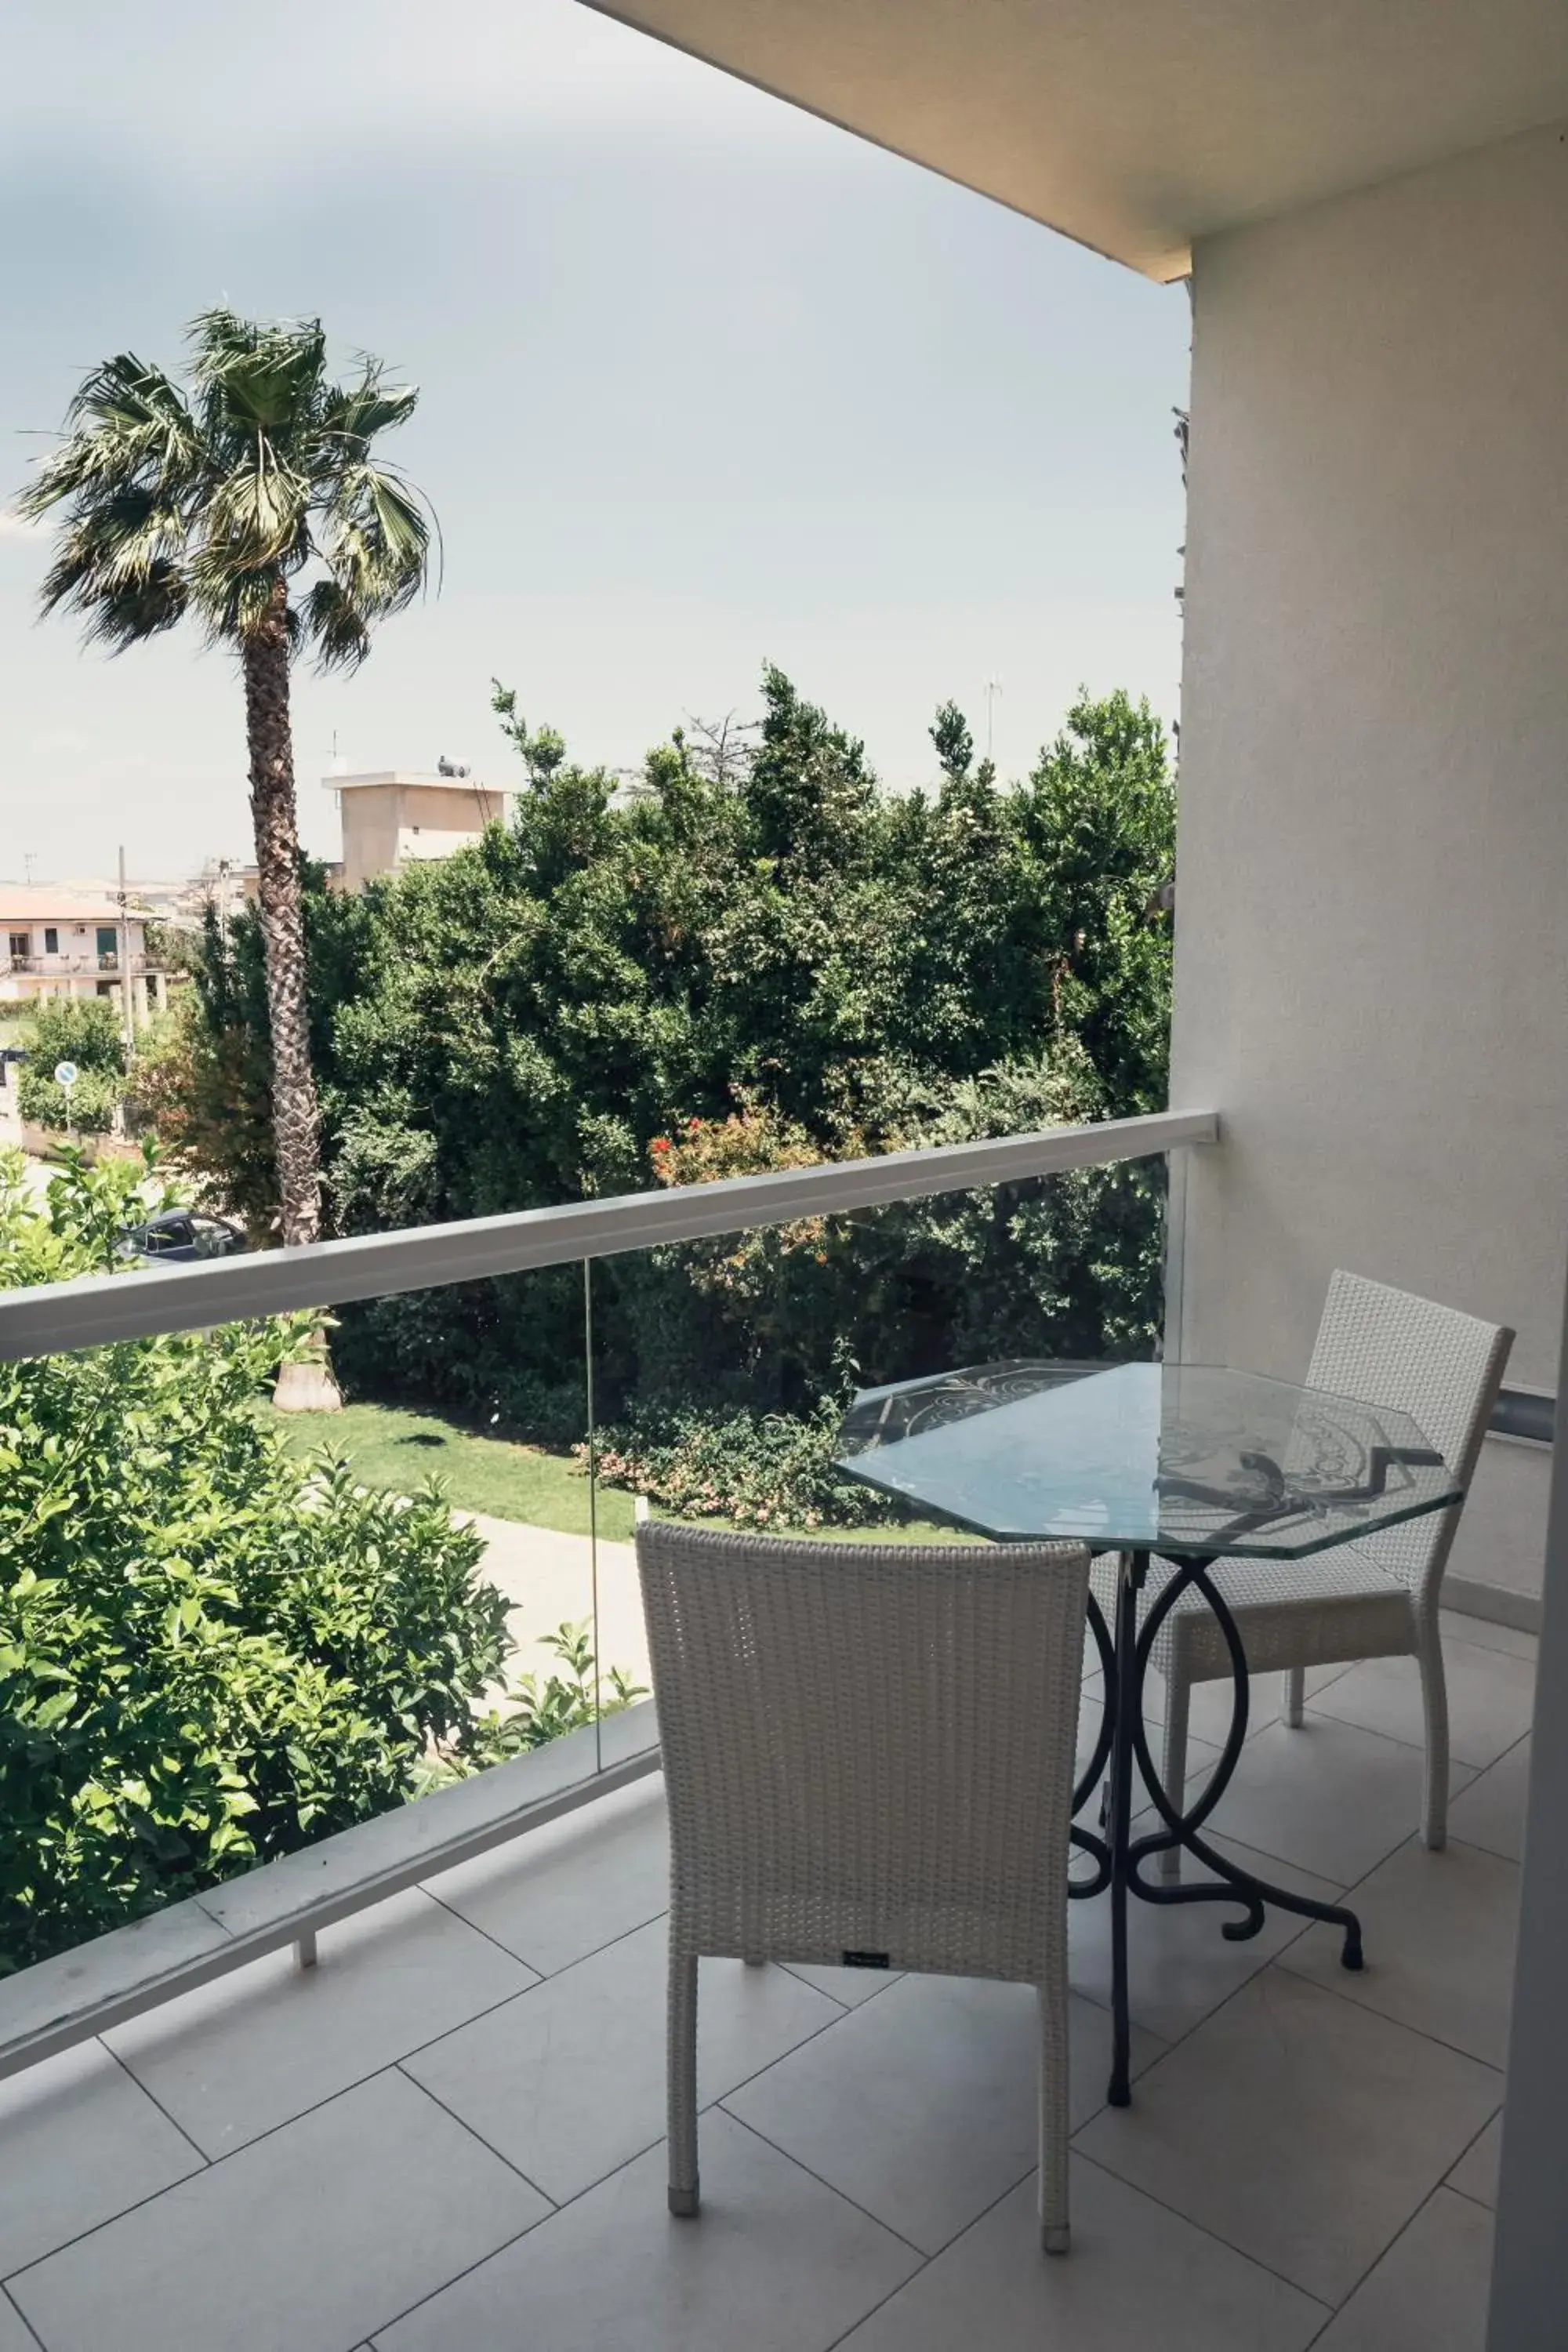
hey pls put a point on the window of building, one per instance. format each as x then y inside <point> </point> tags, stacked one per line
<point>51,939</point>
<point>21,943</point>
<point>107,940</point>
<point>108,987</point>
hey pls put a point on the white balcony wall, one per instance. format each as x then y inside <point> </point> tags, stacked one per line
<point>1372,967</point>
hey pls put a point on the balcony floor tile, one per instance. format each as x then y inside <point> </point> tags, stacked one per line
<point>1209,1705</point>
<point>775,2262</point>
<point>1476,2173</point>
<point>1428,2294</point>
<point>849,1987</point>
<point>921,2106</point>
<point>1492,1699</point>
<point>558,1896</point>
<point>1179,1966</point>
<point>1490,1812</point>
<point>1440,1931</point>
<point>1331,1798</point>
<point>567,2081</point>
<point>1138,2275</point>
<point>309,2238</point>
<point>15,2333</point>
<point>255,2049</point>
<point>79,2143</point>
<point>1300,2128</point>
<point>1486,1636</point>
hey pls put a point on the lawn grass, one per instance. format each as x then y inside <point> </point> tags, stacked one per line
<point>399,1450</point>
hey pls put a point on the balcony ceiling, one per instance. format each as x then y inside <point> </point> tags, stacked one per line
<point>1138,125</point>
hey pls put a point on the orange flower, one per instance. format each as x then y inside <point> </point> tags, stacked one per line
<point>659,1143</point>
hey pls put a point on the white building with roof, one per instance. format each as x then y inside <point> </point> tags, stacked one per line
<point>55,942</point>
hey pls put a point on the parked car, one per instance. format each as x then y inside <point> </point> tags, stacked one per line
<point>181,1237</point>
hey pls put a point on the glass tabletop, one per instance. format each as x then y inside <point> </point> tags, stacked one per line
<point>1192,1460</point>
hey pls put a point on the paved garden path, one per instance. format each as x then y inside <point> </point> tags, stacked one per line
<point>549,1580</point>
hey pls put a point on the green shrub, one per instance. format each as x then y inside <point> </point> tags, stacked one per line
<point>210,1652</point>
<point>543,1708</point>
<point>755,1469</point>
<point>89,1108</point>
<point>86,1031</point>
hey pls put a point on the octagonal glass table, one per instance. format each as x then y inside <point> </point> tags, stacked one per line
<point>1193,1464</point>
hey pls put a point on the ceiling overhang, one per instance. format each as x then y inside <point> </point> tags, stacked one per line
<point>1135,126</point>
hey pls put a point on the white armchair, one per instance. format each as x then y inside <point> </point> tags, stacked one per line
<point>1376,1598</point>
<point>869,1756</point>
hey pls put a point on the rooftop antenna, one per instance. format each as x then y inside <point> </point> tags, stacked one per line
<point>993,689</point>
<point>29,859</point>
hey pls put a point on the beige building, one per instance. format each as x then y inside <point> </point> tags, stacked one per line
<point>58,944</point>
<point>393,816</point>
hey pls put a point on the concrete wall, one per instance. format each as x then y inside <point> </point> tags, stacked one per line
<point>1371,968</point>
<point>369,834</point>
<point>384,824</point>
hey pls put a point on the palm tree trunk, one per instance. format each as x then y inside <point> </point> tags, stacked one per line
<point>264,656</point>
<point>295,1121</point>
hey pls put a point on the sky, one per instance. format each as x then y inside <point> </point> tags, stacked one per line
<point>704,383</point>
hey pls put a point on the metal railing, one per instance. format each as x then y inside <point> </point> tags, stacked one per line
<point>97,1308</point>
<point>85,961</point>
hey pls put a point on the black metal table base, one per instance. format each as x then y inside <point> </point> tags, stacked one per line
<point>1123,1747</point>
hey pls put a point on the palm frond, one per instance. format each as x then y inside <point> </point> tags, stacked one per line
<point>259,510</point>
<point>334,624</point>
<point>376,539</point>
<point>257,379</point>
<point>236,604</point>
<point>117,613</point>
<point>119,534</point>
<point>350,415</point>
<point>129,423</point>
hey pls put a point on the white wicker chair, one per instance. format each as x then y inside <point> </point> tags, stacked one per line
<point>1374,1597</point>
<point>869,1755</point>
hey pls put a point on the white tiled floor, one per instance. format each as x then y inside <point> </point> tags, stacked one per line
<point>447,2135</point>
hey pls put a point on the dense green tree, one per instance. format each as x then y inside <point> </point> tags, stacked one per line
<point>772,948</point>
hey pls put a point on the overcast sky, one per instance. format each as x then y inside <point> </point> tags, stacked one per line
<point>704,381</point>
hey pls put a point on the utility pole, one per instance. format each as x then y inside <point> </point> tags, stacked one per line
<point>127,1000</point>
<point>993,689</point>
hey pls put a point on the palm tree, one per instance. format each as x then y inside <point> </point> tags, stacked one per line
<point>250,502</point>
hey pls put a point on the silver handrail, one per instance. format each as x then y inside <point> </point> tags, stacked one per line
<point>97,1308</point>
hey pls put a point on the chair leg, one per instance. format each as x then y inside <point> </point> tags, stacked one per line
<point>682,2083</point>
<point>1174,1759</point>
<point>1295,1696</point>
<point>1434,1701</point>
<point>1054,2106</point>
